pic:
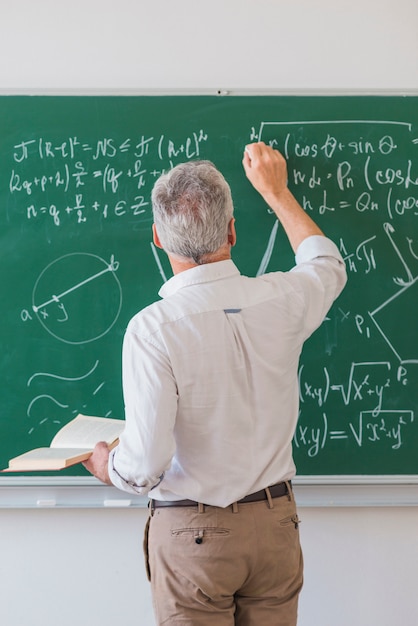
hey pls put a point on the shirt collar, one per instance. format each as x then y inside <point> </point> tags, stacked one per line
<point>205,273</point>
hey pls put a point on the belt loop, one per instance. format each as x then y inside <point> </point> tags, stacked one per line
<point>151,507</point>
<point>290,495</point>
<point>269,498</point>
<point>235,507</point>
<point>200,507</point>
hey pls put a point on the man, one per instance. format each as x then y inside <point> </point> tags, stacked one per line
<point>211,396</point>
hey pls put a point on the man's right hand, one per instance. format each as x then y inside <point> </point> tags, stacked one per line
<point>266,169</point>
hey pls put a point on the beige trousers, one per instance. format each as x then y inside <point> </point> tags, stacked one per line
<point>238,566</point>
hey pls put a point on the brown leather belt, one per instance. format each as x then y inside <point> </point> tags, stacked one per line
<point>276,491</point>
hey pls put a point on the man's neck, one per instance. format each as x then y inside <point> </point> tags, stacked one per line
<point>181,264</point>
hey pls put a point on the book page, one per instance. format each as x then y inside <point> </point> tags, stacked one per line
<point>48,458</point>
<point>85,431</point>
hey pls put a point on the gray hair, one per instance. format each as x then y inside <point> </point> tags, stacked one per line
<point>192,207</point>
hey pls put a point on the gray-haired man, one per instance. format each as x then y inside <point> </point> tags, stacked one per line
<point>211,395</point>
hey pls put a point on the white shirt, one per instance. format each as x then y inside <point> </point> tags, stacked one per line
<point>210,378</point>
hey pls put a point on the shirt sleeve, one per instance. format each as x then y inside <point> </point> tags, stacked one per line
<point>147,445</point>
<point>319,277</point>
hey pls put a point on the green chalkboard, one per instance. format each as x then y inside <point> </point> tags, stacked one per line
<point>77,260</point>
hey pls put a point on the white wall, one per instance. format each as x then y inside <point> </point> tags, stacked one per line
<point>161,44</point>
<point>61,567</point>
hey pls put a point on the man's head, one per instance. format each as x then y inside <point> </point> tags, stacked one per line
<point>193,209</point>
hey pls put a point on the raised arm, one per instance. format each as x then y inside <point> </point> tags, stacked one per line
<point>266,169</point>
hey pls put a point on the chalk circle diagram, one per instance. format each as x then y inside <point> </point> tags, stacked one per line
<point>78,297</point>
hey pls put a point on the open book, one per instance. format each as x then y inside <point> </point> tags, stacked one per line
<point>72,444</point>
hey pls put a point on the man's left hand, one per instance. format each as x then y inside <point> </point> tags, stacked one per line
<point>96,464</point>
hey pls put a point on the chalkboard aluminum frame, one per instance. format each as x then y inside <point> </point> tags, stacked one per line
<point>310,491</point>
<point>76,492</point>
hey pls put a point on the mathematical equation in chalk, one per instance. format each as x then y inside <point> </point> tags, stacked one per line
<point>108,177</point>
<point>340,168</point>
<point>368,392</point>
<point>388,427</point>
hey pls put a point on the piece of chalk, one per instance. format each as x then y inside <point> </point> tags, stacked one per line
<point>117,503</point>
<point>46,502</point>
<point>248,152</point>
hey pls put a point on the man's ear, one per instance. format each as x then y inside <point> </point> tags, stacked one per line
<point>155,237</point>
<point>232,234</point>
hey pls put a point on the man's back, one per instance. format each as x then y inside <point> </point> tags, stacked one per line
<point>228,348</point>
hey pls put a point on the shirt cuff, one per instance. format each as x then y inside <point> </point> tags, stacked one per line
<point>121,483</point>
